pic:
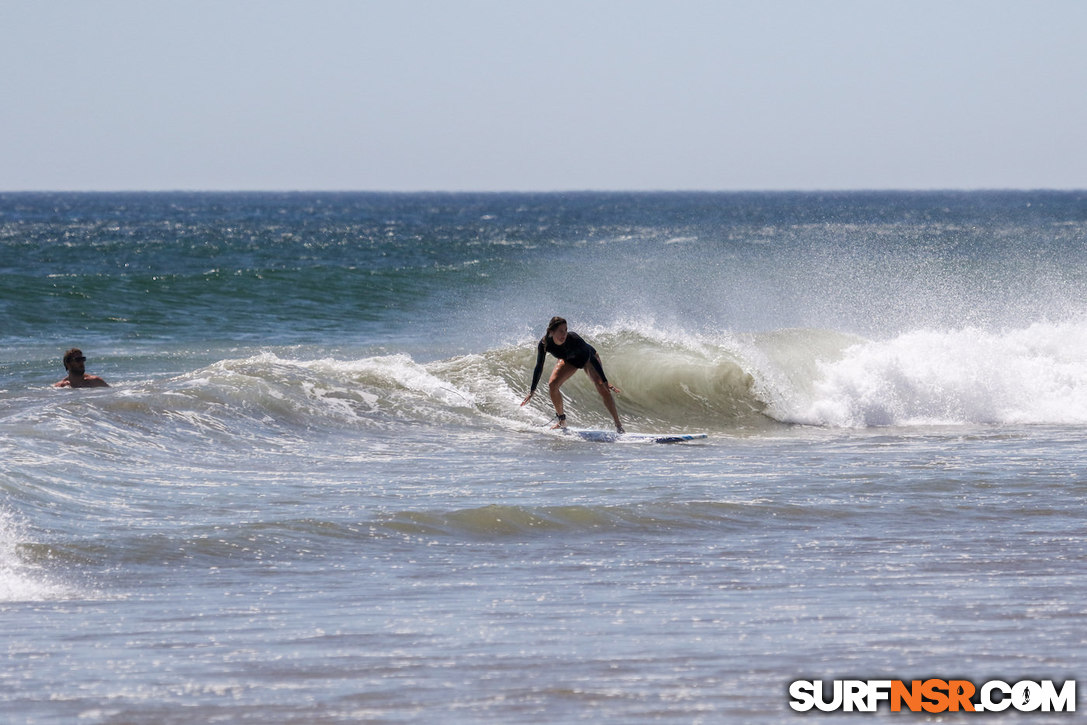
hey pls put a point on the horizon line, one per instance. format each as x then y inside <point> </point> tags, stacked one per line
<point>828,190</point>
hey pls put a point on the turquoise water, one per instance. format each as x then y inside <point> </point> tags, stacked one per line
<point>311,495</point>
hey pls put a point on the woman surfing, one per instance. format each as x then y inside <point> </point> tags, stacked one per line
<point>574,354</point>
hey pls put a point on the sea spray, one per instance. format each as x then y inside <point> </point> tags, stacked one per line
<point>1035,375</point>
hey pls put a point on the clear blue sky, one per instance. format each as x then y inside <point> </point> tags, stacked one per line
<point>549,95</point>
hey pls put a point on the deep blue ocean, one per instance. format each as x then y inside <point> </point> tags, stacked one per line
<point>311,495</point>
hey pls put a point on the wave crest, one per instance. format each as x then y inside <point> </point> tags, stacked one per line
<point>726,383</point>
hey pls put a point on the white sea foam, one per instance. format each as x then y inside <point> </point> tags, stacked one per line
<point>19,581</point>
<point>1034,375</point>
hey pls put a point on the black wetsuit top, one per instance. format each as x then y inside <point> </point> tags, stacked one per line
<point>575,351</point>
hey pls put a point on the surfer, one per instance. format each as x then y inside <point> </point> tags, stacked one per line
<point>574,354</point>
<point>74,363</point>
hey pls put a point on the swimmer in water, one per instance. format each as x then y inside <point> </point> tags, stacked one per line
<point>574,354</point>
<point>74,363</point>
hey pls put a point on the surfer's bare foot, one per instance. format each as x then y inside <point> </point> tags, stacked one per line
<point>561,423</point>
<point>619,429</point>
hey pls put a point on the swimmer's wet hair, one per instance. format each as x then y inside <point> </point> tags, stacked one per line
<point>71,355</point>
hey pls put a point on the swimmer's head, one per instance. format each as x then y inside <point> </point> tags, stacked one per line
<point>75,355</point>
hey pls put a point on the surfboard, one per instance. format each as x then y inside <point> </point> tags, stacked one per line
<point>610,436</point>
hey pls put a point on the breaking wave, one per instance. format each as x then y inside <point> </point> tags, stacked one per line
<point>726,383</point>
<point>1034,375</point>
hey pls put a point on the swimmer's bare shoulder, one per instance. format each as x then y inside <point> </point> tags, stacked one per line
<point>88,381</point>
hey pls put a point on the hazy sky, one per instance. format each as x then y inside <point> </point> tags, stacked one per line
<point>548,95</point>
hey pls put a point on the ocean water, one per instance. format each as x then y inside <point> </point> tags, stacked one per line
<point>311,494</point>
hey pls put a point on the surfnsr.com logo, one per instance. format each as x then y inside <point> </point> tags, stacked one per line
<point>933,695</point>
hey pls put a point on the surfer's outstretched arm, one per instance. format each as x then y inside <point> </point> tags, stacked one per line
<point>541,353</point>
<point>595,361</point>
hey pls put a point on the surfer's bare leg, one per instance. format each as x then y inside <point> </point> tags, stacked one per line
<point>605,392</point>
<point>559,375</point>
